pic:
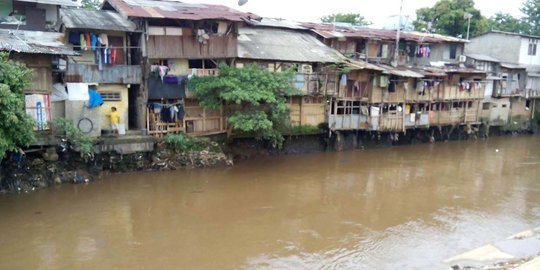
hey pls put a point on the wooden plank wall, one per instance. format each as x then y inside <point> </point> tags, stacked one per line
<point>187,47</point>
<point>307,110</point>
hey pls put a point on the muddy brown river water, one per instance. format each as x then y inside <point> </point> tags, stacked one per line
<point>407,207</point>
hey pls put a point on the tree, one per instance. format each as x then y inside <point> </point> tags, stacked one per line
<point>506,22</point>
<point>16,127</point>
<point>447,18</point>
<point>352,18</point>
<point>531,10</point>
<point>91,4</point>
<point>254,99</point>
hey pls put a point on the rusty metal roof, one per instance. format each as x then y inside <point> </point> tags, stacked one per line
<point>95,19</point>
<point>400,71</point>
<point>177,10</point>
<point>430,71</point>
<point>284,45</point>
<point>360,65</point>
<point>327,30</point>
<point>65,3</point>
<point>34,42</point>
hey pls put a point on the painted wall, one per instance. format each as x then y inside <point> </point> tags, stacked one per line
<point>122,105</point>
<point>524,57</point>
<point>504,47</point>
<point>179,67</point>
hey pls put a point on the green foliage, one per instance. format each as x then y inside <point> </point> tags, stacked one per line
<point>79,141</point>
<point>531,10</point>
<point>185,143</point>
<point>16,127</point>
<point>447,18</point>
<point>352,18</point>
<point>91,4</point>
<point>255,99</point>
<point>506,22</point>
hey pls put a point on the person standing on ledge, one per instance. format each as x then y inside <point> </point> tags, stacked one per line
<point>114,117</point>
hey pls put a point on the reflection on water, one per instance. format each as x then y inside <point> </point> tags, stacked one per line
<point>406,207</point>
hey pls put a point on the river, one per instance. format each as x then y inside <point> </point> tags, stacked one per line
<point>406,207</point>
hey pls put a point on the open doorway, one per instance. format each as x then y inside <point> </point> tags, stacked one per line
<point>133,108</point>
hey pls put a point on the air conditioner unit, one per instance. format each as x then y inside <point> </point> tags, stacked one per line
<point>462,58</point>
<point>307,69</point>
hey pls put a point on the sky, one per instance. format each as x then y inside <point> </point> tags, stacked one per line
<point>376,11</point>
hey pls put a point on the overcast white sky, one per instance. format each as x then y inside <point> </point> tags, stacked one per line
<point>374,10</point>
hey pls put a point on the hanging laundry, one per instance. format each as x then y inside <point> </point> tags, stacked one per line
<point>383,81</point>
<point>105,55</point>
<point>87,39</point>
<point>343,81</point>
<point>93,41</point>
<point>113,56</point>
<point>181,112</point>
<point>82,41</point>
<point>103,39</point>
<point>109,51</point>
<point>75,38</point>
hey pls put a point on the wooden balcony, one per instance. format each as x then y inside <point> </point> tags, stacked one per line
<point>90,73</point>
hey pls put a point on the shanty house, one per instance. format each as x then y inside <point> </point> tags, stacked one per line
<point>107,62</point>
<point>272,47</point>
<point>42,51</point>
<point>181,40</point>
<point>36,15</point>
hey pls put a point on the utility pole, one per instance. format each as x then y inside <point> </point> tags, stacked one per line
<point>398,32</point>
<point>468,16</point>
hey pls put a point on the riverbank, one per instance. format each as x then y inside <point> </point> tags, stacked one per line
<point>42,169</point>
<point>38,170</point>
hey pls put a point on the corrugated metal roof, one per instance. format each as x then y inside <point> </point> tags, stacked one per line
<point>482,57</point>
<point>400,71</point>
<point>277,23</point>
<point>95,19</point>
<point>66,3</point>
<point>512,66</point>
<point>327,30</point>
<point>430,71</point>
<point>284,45</point>
<point>178,10</point>
<point>34,42</point>
<point>464,70</point>
<point>360,65</point>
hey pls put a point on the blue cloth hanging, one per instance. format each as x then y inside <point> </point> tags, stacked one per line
<point>95,99</point>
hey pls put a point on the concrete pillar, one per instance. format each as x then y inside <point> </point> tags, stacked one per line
<point>339,141</point>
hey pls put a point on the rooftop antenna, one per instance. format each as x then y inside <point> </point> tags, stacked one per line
<point>396,51</point>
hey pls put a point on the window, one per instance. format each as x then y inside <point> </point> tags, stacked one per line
<point>111,96</point>
<point>485,106</point>
<point>532,48</point>
<point>453,51</point>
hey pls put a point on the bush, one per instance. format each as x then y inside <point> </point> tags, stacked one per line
<point>186,143</point>
<point>16,127</point>
<point>80,142</point>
